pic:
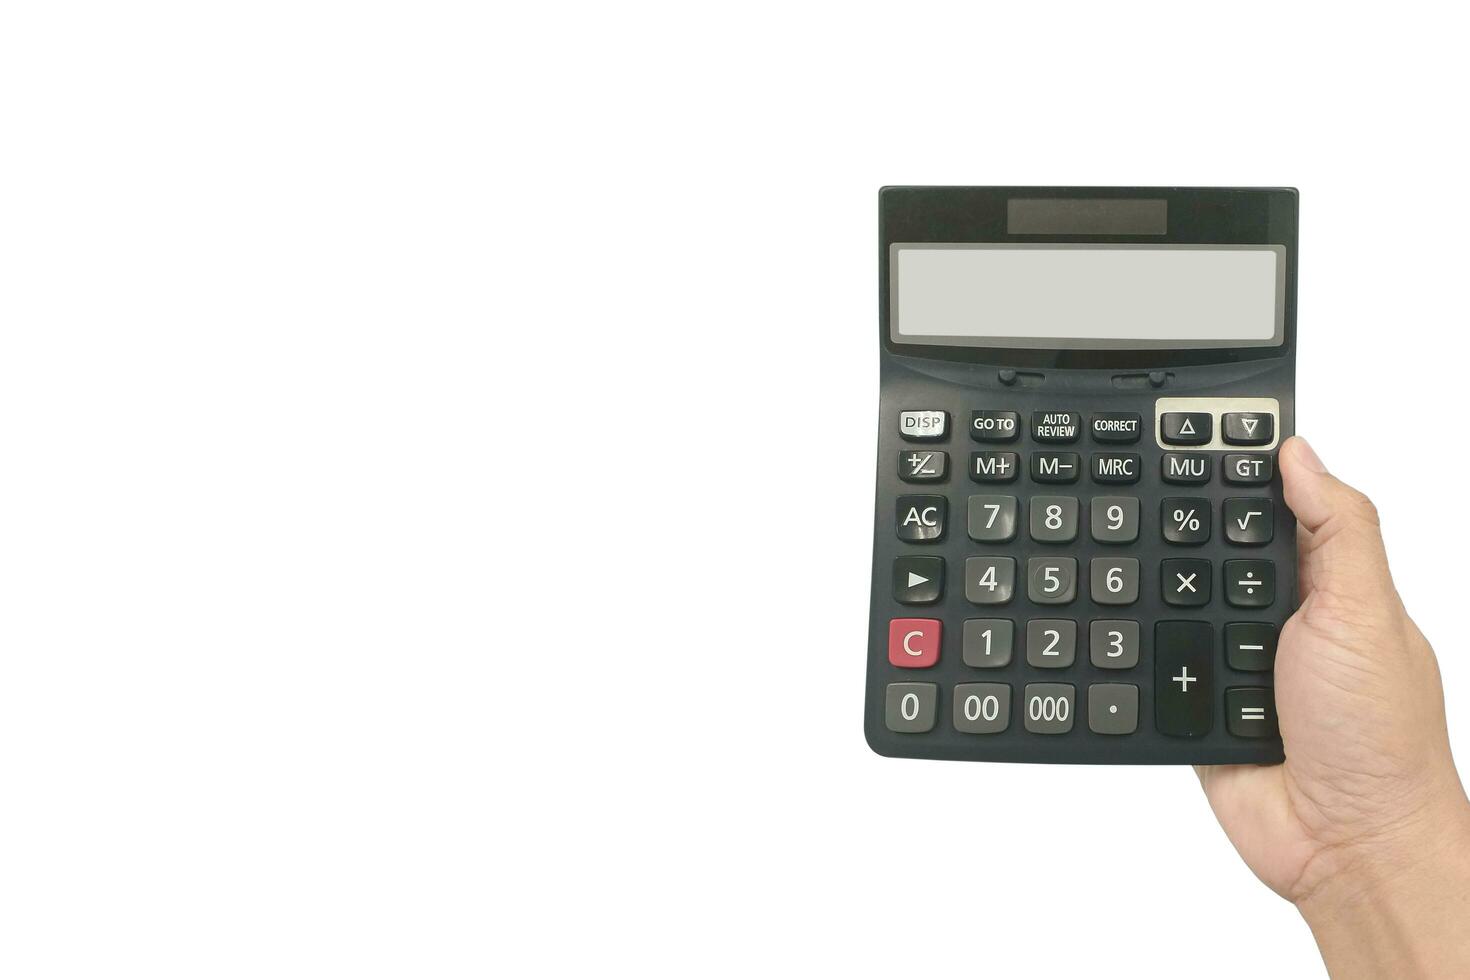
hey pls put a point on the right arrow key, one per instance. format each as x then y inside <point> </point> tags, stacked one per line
<point>1249,520</point>
<point>1248,428</point>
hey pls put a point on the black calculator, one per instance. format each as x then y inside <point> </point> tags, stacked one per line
<point>1081,552</point>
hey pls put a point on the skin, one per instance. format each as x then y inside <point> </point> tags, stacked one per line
<point>1365,827</point>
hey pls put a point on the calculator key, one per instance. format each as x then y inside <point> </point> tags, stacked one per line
<point>994,426</point>
<point>923,426</point>
<point>1187,428</point>
<point>1051,642</point>
<point>1249,520</point>
<point>1114,581</point>
<point>1055,467</point>
<point>1116,467</point>
<point>910,708</point>
<point>1250,583</point>
<point>1053,519</point>
<point>1112,709</point>
<point>994,467</point>
<point>1115,520</point>
<point>921,518</point>
<point>913,642</point>
<point>1250,646</point>
<point>922,466</point>
<point>1183,681</point>
<point>982,709</point>
<point>1048,708</point>
<point>988,642</point>
<point>1250,712</point>
<point>1185,468</point>
<point>990,581</point>
<point>1051,581</point>
<point>918,580</point>
<point>1186,520</point>
<point>992,517</point>
<point>1112,644</point>
<point>1056,426</point>
<point>1248,428</point>
<point>1117,427</point>
<point>1186,581</point>
<point>1248,469</point>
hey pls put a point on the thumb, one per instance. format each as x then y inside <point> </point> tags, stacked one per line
<point>1343,562</point>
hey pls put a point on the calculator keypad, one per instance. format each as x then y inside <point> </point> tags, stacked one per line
<point>1067,613</point>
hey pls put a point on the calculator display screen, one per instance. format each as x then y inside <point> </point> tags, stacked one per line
<point>1091,297</point>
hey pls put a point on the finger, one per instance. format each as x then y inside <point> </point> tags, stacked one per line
<point>1303,566</point>
<point>1343,554</point>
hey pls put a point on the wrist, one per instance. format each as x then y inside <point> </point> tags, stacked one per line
<point>1395,904</point>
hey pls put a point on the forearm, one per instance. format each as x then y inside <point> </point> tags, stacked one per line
<point>1404,913</point>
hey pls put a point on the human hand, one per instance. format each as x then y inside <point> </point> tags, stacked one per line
<point>1365,826</point>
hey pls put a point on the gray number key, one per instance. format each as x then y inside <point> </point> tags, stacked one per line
<point>982,709</point>
<point>992,517</point>
<point>1050,581</point>
<point>1053,519</point>
<point>1048,708</point>
<point>990,581</point>
<point>1113,643</point>
<point>1114,581</point>
<point>1115,520</point>
<point>910,707</point>
<point>988,642</point>
<point>1051,642</point>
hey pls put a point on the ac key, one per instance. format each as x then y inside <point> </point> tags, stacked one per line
<point>1249,520</point>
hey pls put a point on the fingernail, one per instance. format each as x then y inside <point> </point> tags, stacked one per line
<point>1308,456</point>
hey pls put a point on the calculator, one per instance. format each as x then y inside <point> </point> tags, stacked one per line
<point>1081,553</point>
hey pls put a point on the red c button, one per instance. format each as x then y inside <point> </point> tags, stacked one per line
<point>913,642</point>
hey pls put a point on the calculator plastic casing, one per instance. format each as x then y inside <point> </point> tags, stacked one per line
<point>959,380</point>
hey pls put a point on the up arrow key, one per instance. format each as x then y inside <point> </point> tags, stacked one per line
<point>1186,428</point>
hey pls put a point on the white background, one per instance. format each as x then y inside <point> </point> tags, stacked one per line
<point>437,468</point>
